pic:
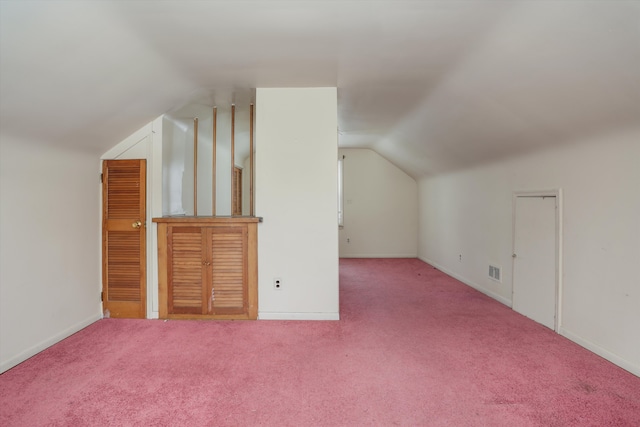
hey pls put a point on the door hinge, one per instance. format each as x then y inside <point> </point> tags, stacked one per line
<point>101,177</point>
<point>101,296</point>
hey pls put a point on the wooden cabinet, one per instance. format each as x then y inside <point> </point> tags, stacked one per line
<point>207,267</point>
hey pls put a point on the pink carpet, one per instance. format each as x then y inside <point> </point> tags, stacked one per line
<point>414,347</point>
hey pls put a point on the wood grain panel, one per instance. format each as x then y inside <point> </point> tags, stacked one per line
<point>236,202</point>
<point>204,257</point>
<point>228,280</point>
<point>124,237</point>
<point>185,287</point>
<point>123,183</point>
<point>123,266</point>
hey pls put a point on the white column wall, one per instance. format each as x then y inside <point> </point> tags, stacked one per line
<point>296,194</point>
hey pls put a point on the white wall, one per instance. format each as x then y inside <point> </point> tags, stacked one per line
<point>296,194</point>
<point>380,207</point>
<point>49,246</point>
<point>470,213</point>
<point>146,143</point>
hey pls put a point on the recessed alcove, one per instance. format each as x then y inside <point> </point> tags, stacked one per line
<point>224,121</point>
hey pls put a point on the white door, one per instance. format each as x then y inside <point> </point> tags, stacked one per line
<point>534,258</point>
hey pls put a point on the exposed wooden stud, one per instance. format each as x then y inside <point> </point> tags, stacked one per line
<point>195,167</point>
<point>233,147</point>
<point>251,163</point>
<point>213,165</point>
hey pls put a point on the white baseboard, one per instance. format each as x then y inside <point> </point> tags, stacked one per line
<point>379,256</point>
<point>467,282</point>
<point>298,316</point>
<point>611,357</point>
<point>30,352</point>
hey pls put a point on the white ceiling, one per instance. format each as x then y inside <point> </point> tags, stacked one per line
<point>431,85</point>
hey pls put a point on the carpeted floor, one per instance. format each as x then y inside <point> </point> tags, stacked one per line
<point>414,347</point>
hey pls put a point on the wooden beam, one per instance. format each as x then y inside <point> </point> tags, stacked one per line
<point>233,147</point>
<point>251,163</point>
<point>213,165</point>
<point>195,167</point>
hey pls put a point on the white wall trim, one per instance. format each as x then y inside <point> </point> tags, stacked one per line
<point>298,316</point>
<point>413,255</point>
<point>154,209</point>
<point>43,345</point>
<point>475,286</point>
<point>128,143</point>
<point>612,357</point>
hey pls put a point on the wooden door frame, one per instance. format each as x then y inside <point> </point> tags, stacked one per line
<point>557,193</point>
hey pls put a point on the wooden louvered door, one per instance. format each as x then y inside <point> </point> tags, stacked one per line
<point>207,267</point>
<point>207,270</point>
<point>187,288</point>
<point>124,237</point>
<point>227,272</point>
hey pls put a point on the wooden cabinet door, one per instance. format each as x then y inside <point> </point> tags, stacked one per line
<point>187,293</point>
<point>124,238</point>
<point>227,272</point>
<point>208,268</point>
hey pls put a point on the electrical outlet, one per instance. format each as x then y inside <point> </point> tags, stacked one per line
<point>460,257</point>
<point>348,240</point>
<point>277,283</point>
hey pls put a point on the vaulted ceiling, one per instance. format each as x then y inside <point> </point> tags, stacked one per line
<point>431,85</point>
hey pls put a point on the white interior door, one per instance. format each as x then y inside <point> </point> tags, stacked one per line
<point>534,262</point>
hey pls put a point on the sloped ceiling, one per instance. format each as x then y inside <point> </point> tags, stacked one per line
<point>431,85</point>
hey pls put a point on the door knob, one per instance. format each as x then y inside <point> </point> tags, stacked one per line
<point>137,224</point>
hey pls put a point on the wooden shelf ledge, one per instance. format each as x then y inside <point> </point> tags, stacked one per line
<point>177,219</point>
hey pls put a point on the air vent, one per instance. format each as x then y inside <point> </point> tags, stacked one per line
<point>494,273</point>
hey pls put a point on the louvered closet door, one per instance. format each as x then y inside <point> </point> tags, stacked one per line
<point>186,292</point>
<point>123,238</point>
<point>228,281</point>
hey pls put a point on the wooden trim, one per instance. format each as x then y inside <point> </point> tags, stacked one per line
<point>207,220</point>
<point>252,270</point>
<point>236,200</point>
<point>162,278</point>
<point>251,162</point>
<point>214,159</point>
<point>206,276</point>
<point>143,239</point>
<point>104,295</point>
<point>175,316</point>
<point>195,166</point>
<point>233,149</point>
